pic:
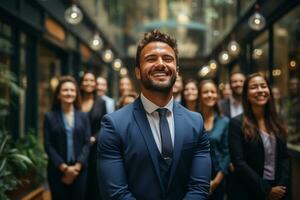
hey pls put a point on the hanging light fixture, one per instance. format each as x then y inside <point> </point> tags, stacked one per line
<point>73,14</point>
<point>96,42</point>
<point>117,64</point>
<point>224,57</point>
<point>203,71</point>
<point>213,64</point>
<point>107,56</point>
<point>123,71</point>
<point>257,21</point>
<point>233,48</point>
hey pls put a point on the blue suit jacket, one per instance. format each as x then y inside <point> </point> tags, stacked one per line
<point>128,163</point>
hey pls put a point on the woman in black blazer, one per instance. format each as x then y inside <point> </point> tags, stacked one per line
<point>257,144</point>
<point>95,108</point>
<point>66,140</point>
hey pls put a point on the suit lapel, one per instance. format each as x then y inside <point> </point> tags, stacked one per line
<point>145,130</point>
<point>60,120</point>
<point>178,139</point>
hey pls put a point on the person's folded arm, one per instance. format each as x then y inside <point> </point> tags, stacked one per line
<point>56,159</point>
<point>111,171</point>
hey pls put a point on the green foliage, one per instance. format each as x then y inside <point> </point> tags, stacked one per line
<point>12,165</point>
<point>32,148</point>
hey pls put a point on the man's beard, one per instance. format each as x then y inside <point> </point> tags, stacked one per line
<point>158,87</point>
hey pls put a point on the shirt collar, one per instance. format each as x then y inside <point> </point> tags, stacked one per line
<point>233,101</point>
<point>150,107</point>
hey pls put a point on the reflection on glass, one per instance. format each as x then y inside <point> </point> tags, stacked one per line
<point>197,25</point>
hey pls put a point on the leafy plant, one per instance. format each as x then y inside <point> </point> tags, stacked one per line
<point>32,148</point>
<point>12,164</point>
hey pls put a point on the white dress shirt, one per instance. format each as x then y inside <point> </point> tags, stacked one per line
<point>109,104</point>
<point>153,119</point>
<point>236,107</point>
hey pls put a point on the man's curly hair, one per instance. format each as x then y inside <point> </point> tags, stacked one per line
<point>155,35</point>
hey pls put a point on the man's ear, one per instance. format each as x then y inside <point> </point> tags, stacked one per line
<point>137,71</point>
<point>177,70</point>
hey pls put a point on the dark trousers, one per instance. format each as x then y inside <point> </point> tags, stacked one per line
<point>93,191</point>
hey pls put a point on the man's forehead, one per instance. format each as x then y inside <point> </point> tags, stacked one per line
<point>158,47</point>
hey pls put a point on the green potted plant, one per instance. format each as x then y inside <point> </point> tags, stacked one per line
<point>12,165</point>
<point>30,146</point>
<point>12,162</point>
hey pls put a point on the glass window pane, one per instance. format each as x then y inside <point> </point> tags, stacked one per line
<point>260,54</point>
<point>287,61</point>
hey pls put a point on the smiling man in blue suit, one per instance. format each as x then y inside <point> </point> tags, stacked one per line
<point>154,149</point>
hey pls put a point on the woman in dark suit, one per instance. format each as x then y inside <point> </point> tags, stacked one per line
<point>216,127</point>
<point>257,143</point>
<point>94,106</point>
<point>66,140</point>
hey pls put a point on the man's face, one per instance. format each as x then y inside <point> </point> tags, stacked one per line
<point>101,86</point>
<point>125,85</point>
<point>178,86</point>
<point>236,84</point>
<point>157,70</point>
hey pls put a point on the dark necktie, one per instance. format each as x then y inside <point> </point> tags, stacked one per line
<point>165,134</point>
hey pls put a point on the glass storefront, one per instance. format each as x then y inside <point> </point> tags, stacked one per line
<point>287,64</point>
<point>260,54</point>
<point>197,25</point>
<point>5,67</point>
<point>49,71</point>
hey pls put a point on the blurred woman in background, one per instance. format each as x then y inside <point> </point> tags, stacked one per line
<point>66,140</point>
<point>190,95</point>
<point>216,127</point>
<point>94,106</point>
<point>257,144</point>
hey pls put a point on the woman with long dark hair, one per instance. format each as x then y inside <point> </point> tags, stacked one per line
<point>66,140</point>
<point>257,142</point>
<point>216,127</point>
<point>94,106</point>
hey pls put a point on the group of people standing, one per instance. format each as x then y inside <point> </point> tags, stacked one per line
<point>248,142</point>
<point>175,141</point>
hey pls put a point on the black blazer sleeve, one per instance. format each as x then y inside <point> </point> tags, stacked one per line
<point>96,115</point>
<point>244,172</point>
<point>86,133</point>
<point>283,163</point>
<point>52,153</point>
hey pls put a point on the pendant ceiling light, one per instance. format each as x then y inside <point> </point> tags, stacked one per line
<point>117,64</point>
<point>213,64</point>
<point>257,21</point>
<point>224,57</point>
<point>73,14</point>
<point>123,71</point>
<point>96,42</point>
<point>233,48</point>
<point>107,56</point>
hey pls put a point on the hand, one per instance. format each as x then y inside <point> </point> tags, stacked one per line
<point>276,193</point>
<point>92,140</point>
<point>213,186</point>
<point>68,179</point>
<point>78,167</point>
<point>70,175</point>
